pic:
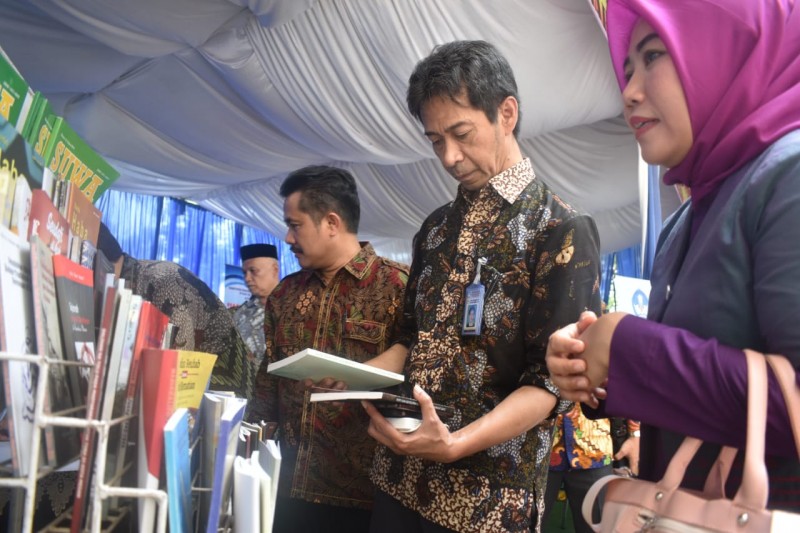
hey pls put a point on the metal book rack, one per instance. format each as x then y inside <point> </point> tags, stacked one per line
<point>99,488</point>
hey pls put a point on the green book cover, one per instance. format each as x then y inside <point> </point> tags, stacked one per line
<point>33,110</point>
<point>15,96</point>
<point>39,126</point>
<point>71,159</point>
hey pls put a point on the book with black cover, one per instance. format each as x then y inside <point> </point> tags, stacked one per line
<point>390,405</point>
<point>101,269</point>
<point>75,295</point>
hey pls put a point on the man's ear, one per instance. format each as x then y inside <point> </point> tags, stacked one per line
<point>508,114</point>
<point>334,223</point>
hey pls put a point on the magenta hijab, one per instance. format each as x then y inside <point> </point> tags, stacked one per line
<point>739,64</point>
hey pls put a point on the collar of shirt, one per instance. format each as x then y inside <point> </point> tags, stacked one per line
<point>510,183</point>
<point>359,265</point>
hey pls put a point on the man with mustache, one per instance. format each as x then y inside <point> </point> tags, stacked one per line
<point>344,301</point>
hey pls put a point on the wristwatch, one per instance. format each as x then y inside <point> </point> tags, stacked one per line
<point>635,434</point>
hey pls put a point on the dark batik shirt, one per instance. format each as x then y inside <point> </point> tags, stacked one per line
<point>249,320</point>
<point>542,271</point>
<point>202,322</point>
<point>326,450</point>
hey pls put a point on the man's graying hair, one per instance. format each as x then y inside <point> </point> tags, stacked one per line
<point>476,67</point>
<point>325,189</point>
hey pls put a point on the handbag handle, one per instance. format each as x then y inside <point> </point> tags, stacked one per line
<point>754,490</point>
<point>785,375</point>
<point>784,372</point>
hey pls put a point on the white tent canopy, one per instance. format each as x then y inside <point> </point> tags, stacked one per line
<point>216,101</point>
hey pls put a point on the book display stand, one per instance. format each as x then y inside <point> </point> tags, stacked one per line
<point>75,401</point>
<point>99,489</point>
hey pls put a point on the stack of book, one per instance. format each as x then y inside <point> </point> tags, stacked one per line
<point>109,353</point>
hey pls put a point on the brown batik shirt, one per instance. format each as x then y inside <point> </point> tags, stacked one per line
<point>326,451</point>
<point>542,271</point>
<point>202,322</point>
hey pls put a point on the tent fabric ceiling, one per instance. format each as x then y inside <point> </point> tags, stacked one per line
<point>216,101</point>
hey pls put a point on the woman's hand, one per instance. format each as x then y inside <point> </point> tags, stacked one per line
<point>578,356</point>
<point>566,368</point>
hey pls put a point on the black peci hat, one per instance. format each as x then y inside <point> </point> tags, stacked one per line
<point>251,251</point>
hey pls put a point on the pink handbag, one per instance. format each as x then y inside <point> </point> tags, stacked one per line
<point>636,505</point>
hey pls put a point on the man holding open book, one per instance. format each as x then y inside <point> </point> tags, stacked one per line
<point>345,302</point>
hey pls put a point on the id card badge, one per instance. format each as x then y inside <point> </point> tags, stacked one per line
<point>473,304</point>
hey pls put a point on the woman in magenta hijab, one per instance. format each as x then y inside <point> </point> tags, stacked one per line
<point>711,90</point>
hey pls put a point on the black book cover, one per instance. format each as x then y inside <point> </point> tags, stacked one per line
<point>75,295</point>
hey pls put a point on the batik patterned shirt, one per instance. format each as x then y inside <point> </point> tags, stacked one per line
<point>542,270</point>
<point>580,443</point>
<point>326,452</point>
<point>202,322</point>
<point>249,320</point>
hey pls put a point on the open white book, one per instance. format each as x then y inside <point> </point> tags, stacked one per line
<point>315,365</point>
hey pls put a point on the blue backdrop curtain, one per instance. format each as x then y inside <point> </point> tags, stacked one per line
<point>654,219</point>
<point>627,262</point>
<point>158,227</point>
<point>633,262</point>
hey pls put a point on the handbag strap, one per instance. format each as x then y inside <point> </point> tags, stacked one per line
<point>754,490</point>
<point>718,475</point>
<point>784,372</point>
<point>785,375</point>
<point>677,466</point>
<point>587,506</point>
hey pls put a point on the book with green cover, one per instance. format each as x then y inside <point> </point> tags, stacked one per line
<point>15,95</point>
<point>39,126</point>
<point>70,158</point>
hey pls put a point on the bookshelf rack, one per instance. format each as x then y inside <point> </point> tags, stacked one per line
<point>101,490</point>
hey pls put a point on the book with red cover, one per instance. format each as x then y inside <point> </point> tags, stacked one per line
<point>46,222</point>
<point>88,440</point>
<point>75,294</point>
<point>61,443</point>
<point>170,379</point>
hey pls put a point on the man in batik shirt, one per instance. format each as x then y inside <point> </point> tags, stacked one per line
<point>485,470</point>
<point>261,274</point>
<point>202,322</point>
<point>583,452</point>
<point>345,302</point>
